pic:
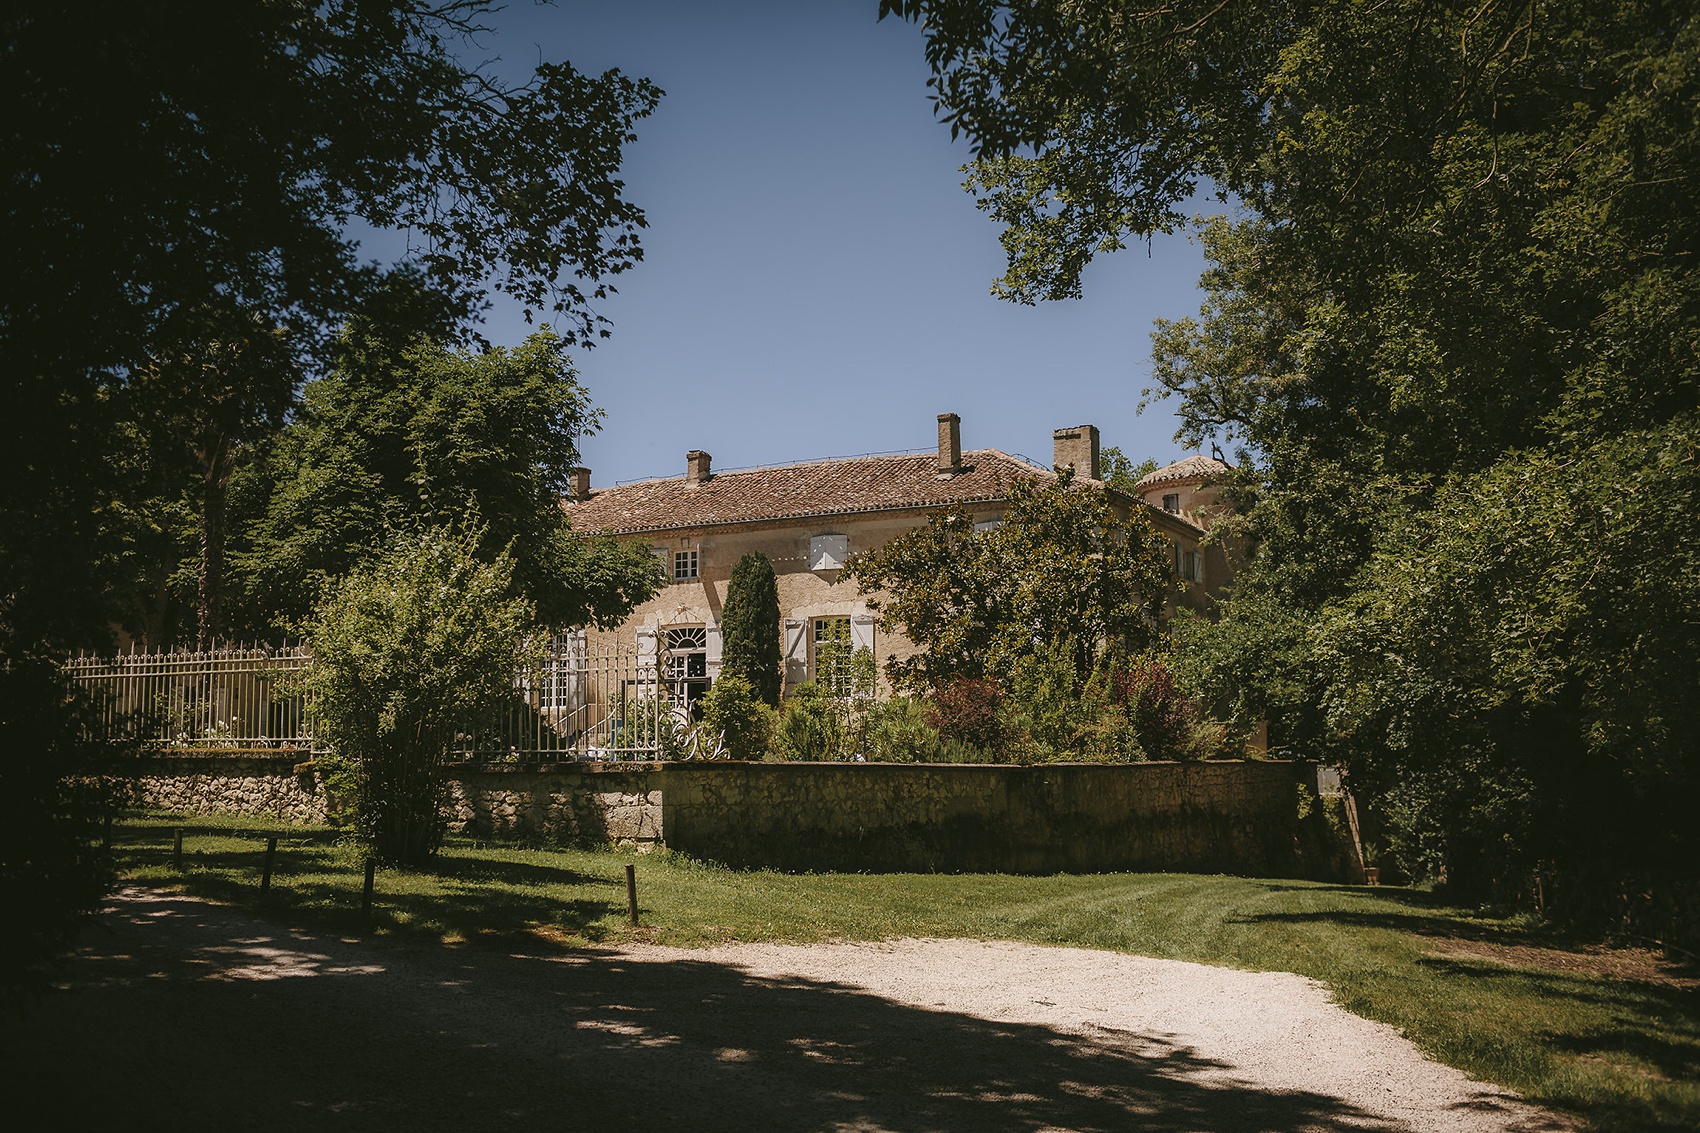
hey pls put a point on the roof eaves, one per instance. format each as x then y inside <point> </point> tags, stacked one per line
<point>927,505</point>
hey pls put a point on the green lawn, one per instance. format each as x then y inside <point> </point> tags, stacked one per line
<point>1612,1035</point>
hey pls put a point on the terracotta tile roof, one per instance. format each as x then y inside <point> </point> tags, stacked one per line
<point>826,487</point>
<point>1190,468</point>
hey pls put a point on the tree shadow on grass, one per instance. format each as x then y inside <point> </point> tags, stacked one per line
<point>448,866</point>
<point>1675,1010</point>
<point>469,899</point>
<point>265,1028</point>
<point>1418,922</point>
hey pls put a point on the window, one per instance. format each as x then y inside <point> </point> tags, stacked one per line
<point>981,526</point>
<point>1172,503</point>
<point>684,565</point>
<point>685,663</point>
<point>832,653</point>
<point>1189,564</point>
<point>828,552</point>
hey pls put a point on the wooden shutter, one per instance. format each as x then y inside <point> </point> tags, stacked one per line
<point>712,636</point>
<point>796,651</point>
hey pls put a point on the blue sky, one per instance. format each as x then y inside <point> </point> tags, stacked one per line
<point>815,280</point>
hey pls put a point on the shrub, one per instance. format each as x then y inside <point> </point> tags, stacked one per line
<point>812,726</point>
<point>53,867</point>
<point>733,709</point>
<point>1043,712</point>
<point>422,644</point>
<point>1129,709</point>
<point>897,731</point>
<point>1167,724</point>
<point>968,711</point>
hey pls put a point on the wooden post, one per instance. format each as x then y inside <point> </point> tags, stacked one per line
<point>266,870</point>
<point>366,896</point>
<point>631,891</point>
<point>177,848</point>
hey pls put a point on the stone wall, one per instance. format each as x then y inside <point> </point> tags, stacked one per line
<point>580,803</point>
<point>1232,817</point>
<point>262,782</point>
<point>1054,818</point>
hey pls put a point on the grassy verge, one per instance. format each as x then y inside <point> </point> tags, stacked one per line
<point>1612,1035</point>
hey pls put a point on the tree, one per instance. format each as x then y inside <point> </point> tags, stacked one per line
<point>219,380</point>
<point>211,156</point>
<point>1454,322</point>
<point>749,627</point>
<point>1061,568</point>
<point>406,435</point>
<point>1121,473</point>
<point>170,160</point>
<point>410,651</point>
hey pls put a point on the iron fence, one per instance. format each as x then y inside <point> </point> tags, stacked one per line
<point>585,701</point>
<point>232,696</point>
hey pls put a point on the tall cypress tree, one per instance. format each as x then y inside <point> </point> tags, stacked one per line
<point>749,626</point>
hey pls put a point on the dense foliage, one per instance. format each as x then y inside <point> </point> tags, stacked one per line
<point>737,717</point>
<point>1061,569</point>
<point>749,627</point>
<point>1035,634</point>
<point>188,173</point>
<point>185,185</point>
<point>410,651</point>
<point>1455,321</point>
<point>404,434</point>
<point>53,863</point>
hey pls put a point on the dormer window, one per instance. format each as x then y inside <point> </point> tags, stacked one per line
<point>828,552</point>
<point>1172,503</point>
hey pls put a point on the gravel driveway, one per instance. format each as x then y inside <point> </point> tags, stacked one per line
<point>182,1015</point>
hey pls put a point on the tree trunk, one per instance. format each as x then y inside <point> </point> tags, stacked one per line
<point>217,457</point>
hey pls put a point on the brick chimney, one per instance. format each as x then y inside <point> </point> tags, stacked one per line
<point>1076,448</point>
<point>950,444</point>
<point>579,489</point>
<point>696,467</point>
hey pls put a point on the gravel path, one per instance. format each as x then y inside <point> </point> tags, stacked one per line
<point>182,1015</point>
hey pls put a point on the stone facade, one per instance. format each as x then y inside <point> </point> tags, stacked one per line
<point>809,518</point>
<point>1187,502</point>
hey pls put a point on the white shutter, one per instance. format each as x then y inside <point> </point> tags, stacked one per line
<point>576,664</point>
<point>796,651</point>
<point>862,632</point>
<point>712,634</point>
<point>828,552</point>
<point>646,659</point>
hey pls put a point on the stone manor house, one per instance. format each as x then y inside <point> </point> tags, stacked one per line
<point>809,518</point>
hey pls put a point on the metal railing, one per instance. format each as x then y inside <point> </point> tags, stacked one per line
<point>234,696</point>
<point>584,702</point>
